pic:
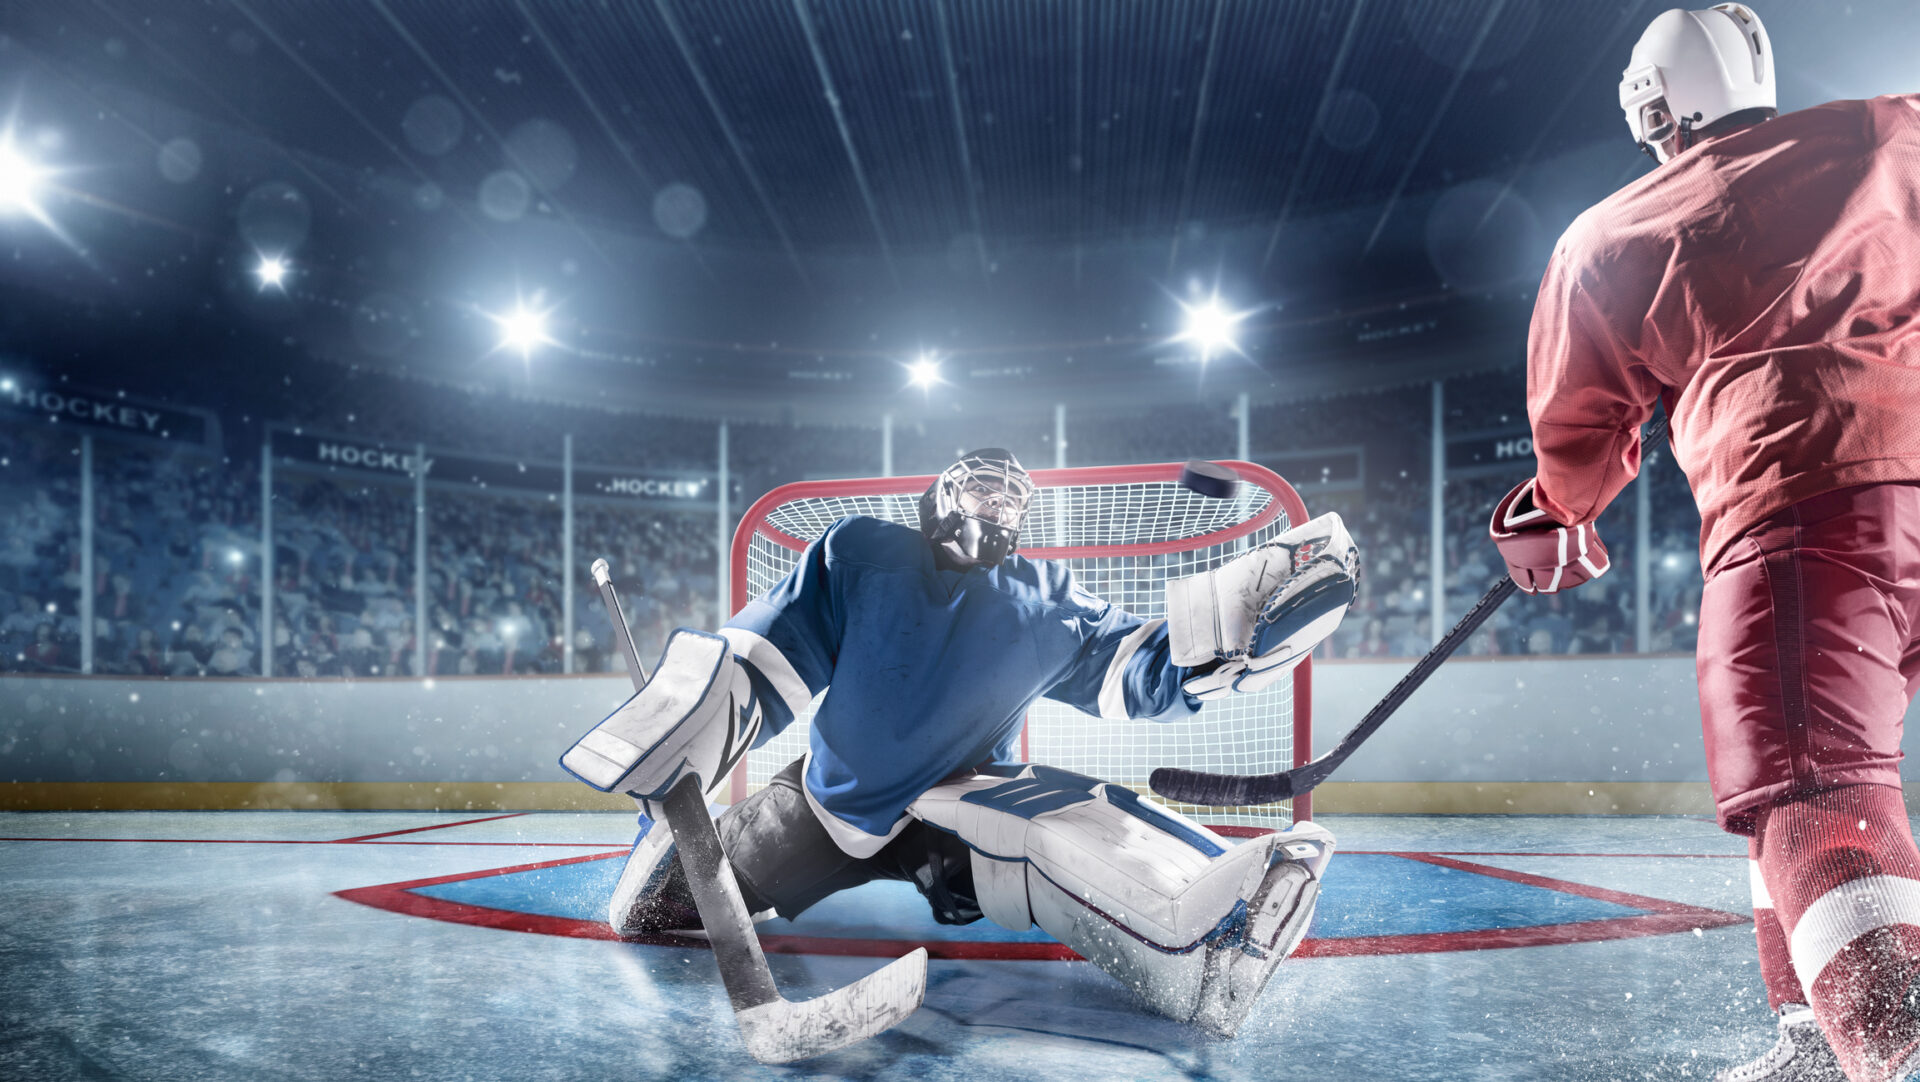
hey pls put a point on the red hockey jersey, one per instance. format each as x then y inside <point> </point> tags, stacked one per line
<point>1763,285</point>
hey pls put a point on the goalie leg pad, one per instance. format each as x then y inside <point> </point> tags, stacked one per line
<point>697,715</point>
<point>1264,611</point>
<point>1193,925</point>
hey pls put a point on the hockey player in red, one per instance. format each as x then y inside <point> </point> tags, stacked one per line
<point>1762,285</point>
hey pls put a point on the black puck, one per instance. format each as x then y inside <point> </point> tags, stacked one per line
<point>1209,479</point>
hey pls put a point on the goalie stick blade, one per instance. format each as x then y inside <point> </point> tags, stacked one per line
<point>783,1031</point>
<point>774,1029</point>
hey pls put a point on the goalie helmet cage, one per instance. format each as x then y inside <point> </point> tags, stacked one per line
<point>1124,531</point>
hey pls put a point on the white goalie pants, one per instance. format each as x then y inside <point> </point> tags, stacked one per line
<point>1193,923</point>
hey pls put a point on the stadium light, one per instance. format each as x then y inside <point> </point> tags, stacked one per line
<point>272,272</point>
<point>24,180</point>
<point>1212,327</point>
<point>924,371</point>
<point>20,179</point>
<point>523,330</point>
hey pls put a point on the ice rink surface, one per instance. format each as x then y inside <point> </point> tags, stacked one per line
<point>215,946</point>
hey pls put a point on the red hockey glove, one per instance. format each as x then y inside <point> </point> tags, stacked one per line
<point>1543,556</point>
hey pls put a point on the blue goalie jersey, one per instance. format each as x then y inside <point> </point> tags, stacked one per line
<point>929,671</point>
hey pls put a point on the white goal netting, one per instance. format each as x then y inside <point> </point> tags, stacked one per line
<point>1124,531</point>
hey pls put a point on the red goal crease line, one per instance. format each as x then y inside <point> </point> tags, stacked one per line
<point>1659,917</point>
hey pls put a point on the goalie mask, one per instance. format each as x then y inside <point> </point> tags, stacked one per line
<point>974,510</point>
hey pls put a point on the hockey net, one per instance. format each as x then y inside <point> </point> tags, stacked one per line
<point>1124,531</point>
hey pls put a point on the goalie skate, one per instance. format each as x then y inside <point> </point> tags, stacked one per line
<point>1278,914</point>
<point>652,894</point>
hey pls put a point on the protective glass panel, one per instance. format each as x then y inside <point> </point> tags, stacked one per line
<point>494,582</point>
<point>176,563</point>
<point>343,572</point>
<point>1673,563</point>
<point>663,564</point>
<point>39,551</point>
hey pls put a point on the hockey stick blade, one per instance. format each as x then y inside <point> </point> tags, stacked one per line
<point>774,1029</point>
<point>1240,790</point>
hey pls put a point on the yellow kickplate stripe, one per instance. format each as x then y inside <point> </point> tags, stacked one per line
<point>1513,798</point>
<point>1485,798</point>
<point>308,796</point>
<point>1333,798</point>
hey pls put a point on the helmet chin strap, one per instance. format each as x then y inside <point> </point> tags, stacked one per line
<point>1681,132</point>
<point>951,550</point>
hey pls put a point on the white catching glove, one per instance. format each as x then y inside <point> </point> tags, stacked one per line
<point>1258,615</point>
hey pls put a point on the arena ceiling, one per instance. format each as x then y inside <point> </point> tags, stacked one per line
<point>763,187</point>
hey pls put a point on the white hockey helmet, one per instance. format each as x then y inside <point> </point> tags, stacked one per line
<point>1692,68</point>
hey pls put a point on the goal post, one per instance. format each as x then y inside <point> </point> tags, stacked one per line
<point>1124,531</point>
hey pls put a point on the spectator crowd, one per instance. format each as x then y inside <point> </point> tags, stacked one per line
<point>177,555</point>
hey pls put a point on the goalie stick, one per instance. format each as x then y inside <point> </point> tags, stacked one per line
<point>1240,790</point>
<point>775,1029</point>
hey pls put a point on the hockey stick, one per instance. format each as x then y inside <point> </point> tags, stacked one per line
<point>775,1029</point>
<point>1237,790</point>
<point>1240,790</point>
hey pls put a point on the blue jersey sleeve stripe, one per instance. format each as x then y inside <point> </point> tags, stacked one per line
<point>1113,688</point>
<point>773,665</point>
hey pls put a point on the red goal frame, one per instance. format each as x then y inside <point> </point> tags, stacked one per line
<point>1286,498</point>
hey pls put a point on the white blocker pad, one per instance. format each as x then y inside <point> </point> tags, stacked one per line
<point>695,716</point>
<point>1265,610</point>
<point>1193,924</point>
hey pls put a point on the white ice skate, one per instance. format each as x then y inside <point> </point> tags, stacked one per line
<point>1800,1055</point>
<point>1277,917</point>
<point>642,902</point>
